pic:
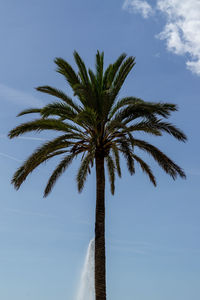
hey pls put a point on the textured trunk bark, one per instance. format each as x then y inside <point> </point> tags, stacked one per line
<point>100,257</point>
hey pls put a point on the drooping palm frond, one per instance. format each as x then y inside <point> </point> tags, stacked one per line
<point>40,155</point>
<point>170,129</point>
<point>125,148</point>
<point>84,170</point>
<point>144,109</point>
<point>115,151</point>
<point>62,166</point>
<point>145,168</point>
<point>111,172</point>
<point>43,124</point>
<point>163,160</point>
<point>29,111</point>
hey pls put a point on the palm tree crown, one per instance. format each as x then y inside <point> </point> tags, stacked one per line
<point>97,122</point>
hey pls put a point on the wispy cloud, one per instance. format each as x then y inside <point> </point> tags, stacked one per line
<point>25,138</point>
<point>181,31</point>
<point>146,248</point>
<point>19,97</point>
<point>139,7</point>
<point>10,157</point>
<point>30,213</point>
<point>141,248</point>
<point>194,172</point>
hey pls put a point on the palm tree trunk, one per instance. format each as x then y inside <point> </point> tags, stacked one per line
<point>100,257</point>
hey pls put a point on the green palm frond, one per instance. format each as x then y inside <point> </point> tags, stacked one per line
<point>124,102</point>
<point>111,172</point>
<point>94,82</point>
<point>146,126</point>
<point>67,71</point>
<point>124,70</point>
<point>82,69</point>
<point>43,124</point>
<point>115,151</point>
<point>170,129</point>
<point>58,94</point>
<point>125,148</point>
<point>99,69</point>
<point>83,170</point>
<point>106,83</point>
<point>118,127</point>
<point>112,70</point>
<point>47,150</point>
<point>87,116</point>
<point>145,168</point>
<point>58,109</point>
<point>164,161</point>
<point>29,111</point>
<point>144,109</point>
<point>62,166</point>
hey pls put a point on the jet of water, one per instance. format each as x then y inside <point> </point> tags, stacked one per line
<point>86,289</point>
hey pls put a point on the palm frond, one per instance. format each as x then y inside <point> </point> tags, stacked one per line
<point>123,72</point>
<point>83,170</point>
<point>29,111</point>
<point>145,126</point>
<point>82,68</point>
<point>170,129</point>
<point>164,161</point>
<point>123,102</point>
<point>42,124</point>
<point>43,153</point>
<point>67,71</point>
<point>145,168</point>
<point>106,84</point>
<point>58,94</point>
<point>111,173</point>
<point>61,110</point>
<point>126,150</point>
<point>118,127</point>
<point>94,82</point>
<point>87,116</point>
<point>146,109</point>
<point>117,159</point>
<point>62,166</point>
<point>99,69</point>
<point>112,70</point>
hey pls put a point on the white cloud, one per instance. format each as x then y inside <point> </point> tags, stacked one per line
<point>182,29</point>
<point>139,7</point>
<point>19,97</point>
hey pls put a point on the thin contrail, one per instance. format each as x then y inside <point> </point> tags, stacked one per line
<point>25,138</point>
<point>10,157</point>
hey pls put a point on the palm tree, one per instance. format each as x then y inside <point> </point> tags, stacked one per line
<point>102,128</point>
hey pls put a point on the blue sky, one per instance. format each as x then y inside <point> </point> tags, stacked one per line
<point>152,234</point>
